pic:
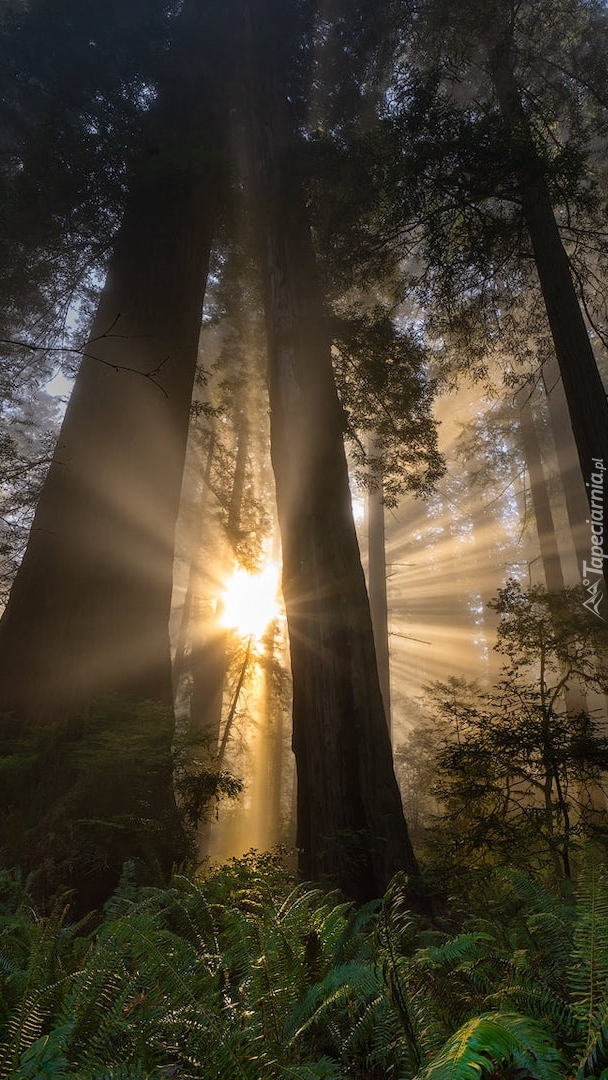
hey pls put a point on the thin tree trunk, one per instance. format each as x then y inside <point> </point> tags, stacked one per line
<point>233,706</point>
<point>378,601</point>
<point>351,827</point>
<point>208,657</point>
<point>545,527</point>
<point>194,573</point>
<point>583,385</point>
<point>567,458</point>
<point>274,722</point>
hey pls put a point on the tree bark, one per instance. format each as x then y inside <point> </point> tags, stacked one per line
<point>193,583</point>
<point>274,709</point>
<point>351,828</point>
<point>88,613</point>
<point>583,385</point>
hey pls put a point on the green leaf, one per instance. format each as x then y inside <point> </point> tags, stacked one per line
<point>492,1041</point>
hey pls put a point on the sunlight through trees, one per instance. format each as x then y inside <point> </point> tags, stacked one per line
<point>293,261</point>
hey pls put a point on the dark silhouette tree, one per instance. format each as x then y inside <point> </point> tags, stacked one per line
<point>88,614</point>
<point>89,610</point>
<point>351,827</point>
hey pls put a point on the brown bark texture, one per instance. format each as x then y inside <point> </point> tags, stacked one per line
<point>351,828</point>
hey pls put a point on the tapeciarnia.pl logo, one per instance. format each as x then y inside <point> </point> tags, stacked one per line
<point>596,565</point>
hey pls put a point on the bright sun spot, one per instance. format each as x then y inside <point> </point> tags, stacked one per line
<point>250,601</point>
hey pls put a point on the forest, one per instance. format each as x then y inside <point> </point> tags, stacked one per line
<point>303,437</point>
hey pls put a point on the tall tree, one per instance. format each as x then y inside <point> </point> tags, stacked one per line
<point>583,385</point>
<point>76,84</point>
<point>547,538</point>
<point>376,574</point>
<point>351,827</point>
<point>532,110</point>
<point>88,614</point>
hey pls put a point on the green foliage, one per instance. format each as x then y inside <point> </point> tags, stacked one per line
<point>519,768</point>
<point>238,974</point>
<point>197,787</point>
<point>588,977</point>
<point>81,798</point>
<point>502,1043</point>
<point>386,392</point>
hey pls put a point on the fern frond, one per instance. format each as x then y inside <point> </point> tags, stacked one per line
<point>22,1030</point>
<point>357,932</point>
<point>349,986</point>
<point>492,1041</point>
<point>323,1069</point>
<point>45,1058</point>
<point>377,1040</point>
<point>588,973</point>
<point>595,1050</point>
<point>540,1002</point>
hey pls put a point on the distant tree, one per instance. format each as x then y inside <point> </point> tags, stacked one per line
<point>583,385</point>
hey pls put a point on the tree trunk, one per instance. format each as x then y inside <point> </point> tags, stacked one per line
<point>545,527</point>
<point>88,615</point>
<point>583,385</point>
<point>377,594</point>
<point>209,661</point>
<point>351,828</point>
<point>570,474</point>
<point>274,709</point>
<point>574,692</point>
<point>193,583</point>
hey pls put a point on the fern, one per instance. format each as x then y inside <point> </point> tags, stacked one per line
<point>588,974</point>
<point>34,979</point>
<point>241,976</point>
<point>494,1042</point>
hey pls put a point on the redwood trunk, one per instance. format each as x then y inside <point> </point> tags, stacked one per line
<point>567,458</point>
<point>88,613</point>
<point>351,828</point>
<point>583,385</point>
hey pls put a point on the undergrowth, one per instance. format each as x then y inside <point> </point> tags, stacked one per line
<point>245,975</point>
